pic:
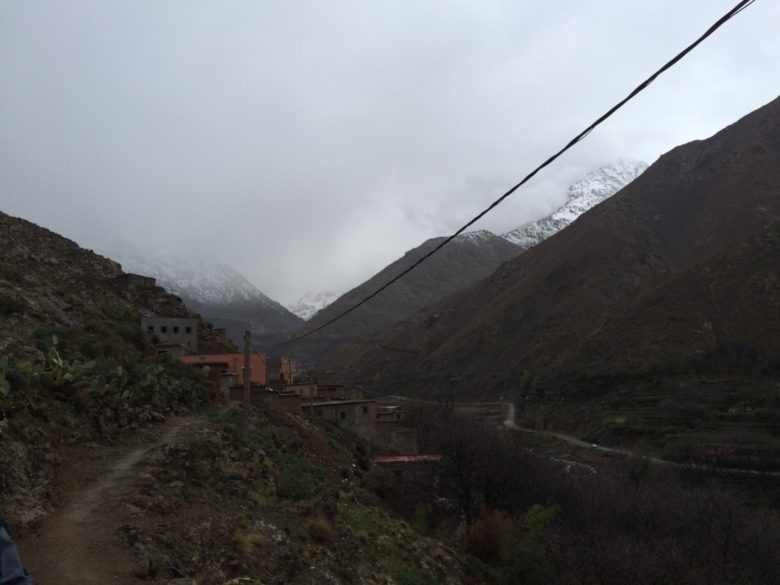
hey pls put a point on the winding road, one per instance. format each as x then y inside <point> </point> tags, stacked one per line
<point>509,423</point>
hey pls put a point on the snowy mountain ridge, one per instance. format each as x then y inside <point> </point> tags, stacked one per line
<point>203,279</point>
<point>595,187</point>
<point>475,236</point>
<point>311,303</point>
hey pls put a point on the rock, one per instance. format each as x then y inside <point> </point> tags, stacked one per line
<point>156,416</point>
<point>142,560</point>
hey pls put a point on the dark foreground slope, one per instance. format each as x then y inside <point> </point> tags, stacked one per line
<point>468,258</point>
<point>674,278</point>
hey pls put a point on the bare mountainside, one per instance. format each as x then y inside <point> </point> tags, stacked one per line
<point>469,257</point>
<point>670,286</point>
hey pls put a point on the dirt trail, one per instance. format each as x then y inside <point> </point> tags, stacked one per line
<point>78,543</point>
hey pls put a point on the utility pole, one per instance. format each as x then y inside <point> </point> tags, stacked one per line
<point>247,372</point>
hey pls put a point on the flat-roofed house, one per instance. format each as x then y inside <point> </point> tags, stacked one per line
<point>177,336</point>
<point>343,412</point>
<point>230,363</point>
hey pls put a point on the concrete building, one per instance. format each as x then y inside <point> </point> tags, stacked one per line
<point>215,365</point>
<point>305,389</point>
<point>343,412</point>
<point>390,414</point>
<point>280,370</point>
<point>173,335</point>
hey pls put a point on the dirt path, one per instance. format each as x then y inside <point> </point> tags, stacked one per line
<point>78,543</point>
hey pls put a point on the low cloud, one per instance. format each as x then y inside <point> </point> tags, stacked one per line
<point>310,143</point>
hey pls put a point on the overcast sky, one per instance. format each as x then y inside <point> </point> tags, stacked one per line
<point>310,143</point>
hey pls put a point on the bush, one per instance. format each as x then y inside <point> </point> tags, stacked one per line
<point>297,478</point>
<point>422,521</point>
<point>10,304</point>
<point>489,538</point>
<point>320,530</point>
<point>412,576</point>
<point>248,545</point>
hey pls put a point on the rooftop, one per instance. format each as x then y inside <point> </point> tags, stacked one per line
<point>406,458</point>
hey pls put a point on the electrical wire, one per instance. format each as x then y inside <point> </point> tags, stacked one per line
<point>641,87</point>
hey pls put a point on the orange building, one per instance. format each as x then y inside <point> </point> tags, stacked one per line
<point>230,363</point>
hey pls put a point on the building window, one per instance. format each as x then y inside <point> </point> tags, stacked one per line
<point>163,329</point>
<point>175,328</point>
<point>188,329</point>
<point>150,328</point>
<point>318,412</point>
<point>365,410</point>
<point>342,415</point>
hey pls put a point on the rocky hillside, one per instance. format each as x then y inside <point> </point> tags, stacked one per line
<point>591,190</point>
<point>669,286</point>
<point>47,280</point>
<point>74,363</point>
<point>469,257</point>
<point>212,288</point>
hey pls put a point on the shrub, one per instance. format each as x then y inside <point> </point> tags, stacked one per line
<point>10,304</point>
<point>409,575</point>
<point>489,537</point>
<point>297,478</point>
<point>422,521</point>
<point>320,530</point>
<point>248,545</point>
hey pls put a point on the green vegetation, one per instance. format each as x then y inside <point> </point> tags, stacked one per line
<point>297,478</point>
<point>410,575</point>
<point>701,419</point>
<point>304,488</point>
<point>320,530</point>
<point>91,371</point>
<point>532,520</point>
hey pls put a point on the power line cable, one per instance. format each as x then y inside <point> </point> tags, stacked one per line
<point>641,87</point>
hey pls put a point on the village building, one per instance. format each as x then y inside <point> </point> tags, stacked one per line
<point>390,414</point>
<point>342,412</point>
<point>303,389</point>
<point>278,401</point>
<point>176,336</point>
<point>214,366</point>
<point>280,370</point>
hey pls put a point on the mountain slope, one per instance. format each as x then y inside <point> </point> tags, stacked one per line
<point>212,288</point>
<point>75,365</point>
<point>595,187</point>
<point>467,258</point>
<point>577,310</point>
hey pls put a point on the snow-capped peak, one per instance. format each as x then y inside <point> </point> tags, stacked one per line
<point>203,279</point>
<point>311,303</point>
<point>475,236</point>
<point>595,187</point>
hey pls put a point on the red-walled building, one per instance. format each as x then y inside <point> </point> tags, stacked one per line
<point>231,363</point>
